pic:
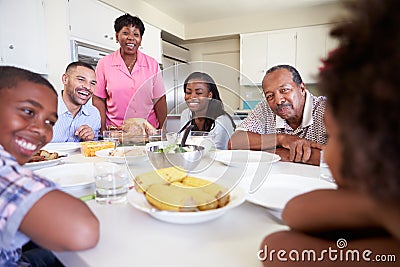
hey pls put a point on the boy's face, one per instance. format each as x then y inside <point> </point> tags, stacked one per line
<point>28,113</point>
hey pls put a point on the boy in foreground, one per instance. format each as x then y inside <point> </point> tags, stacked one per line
<point>32,207</point>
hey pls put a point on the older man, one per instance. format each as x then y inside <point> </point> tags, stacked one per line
<point>290,119</point>
<point>78,119</point>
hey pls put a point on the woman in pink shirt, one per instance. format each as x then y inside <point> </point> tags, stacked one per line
<point>129,83</point>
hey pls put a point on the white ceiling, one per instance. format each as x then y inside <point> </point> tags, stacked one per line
<point>197,11</point>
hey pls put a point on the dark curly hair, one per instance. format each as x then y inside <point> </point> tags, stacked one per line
<point>361,82</point>
<point>215,106</point>
<point>127,20</point>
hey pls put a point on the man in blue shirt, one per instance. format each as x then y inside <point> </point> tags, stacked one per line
<point>78,119</point>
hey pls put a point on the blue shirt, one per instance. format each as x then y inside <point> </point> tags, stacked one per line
<point>66,125</point>
<point>20,189</point>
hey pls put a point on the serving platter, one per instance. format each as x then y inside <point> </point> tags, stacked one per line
<point>138,201</point>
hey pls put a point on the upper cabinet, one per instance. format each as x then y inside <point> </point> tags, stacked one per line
<point>253,57</point>
<point>312,47</point>
<point>278,41</point>
<point>151,42</point>
<point>92,21</point>
<point>302,48</point>
<point>23,39</point>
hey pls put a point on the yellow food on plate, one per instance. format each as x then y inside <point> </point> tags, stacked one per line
<point>160,176</point>
<point>176,198</point>
<point>88,149</point>
<point>171,189</point>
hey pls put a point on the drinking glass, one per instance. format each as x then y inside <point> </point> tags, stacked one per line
<point>113,136</point>
<point>111,182</point>
<point>155,135</point>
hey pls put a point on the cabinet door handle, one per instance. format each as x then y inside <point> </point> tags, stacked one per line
<point>11,46</point>
<point>106,36</point>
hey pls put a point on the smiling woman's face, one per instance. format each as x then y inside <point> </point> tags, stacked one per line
<point>130,39</point>
<point>28,113</point>
<point>197,96</point>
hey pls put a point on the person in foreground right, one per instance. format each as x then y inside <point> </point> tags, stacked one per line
<point>357,224</point>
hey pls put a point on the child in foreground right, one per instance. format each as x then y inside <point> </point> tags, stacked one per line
<point>357,224</point>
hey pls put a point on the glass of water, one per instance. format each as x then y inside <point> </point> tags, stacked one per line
<point>113,136</point>
<point>325,172</point>
<point>111,182</point>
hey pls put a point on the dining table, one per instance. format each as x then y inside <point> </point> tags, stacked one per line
<point>131,237</point>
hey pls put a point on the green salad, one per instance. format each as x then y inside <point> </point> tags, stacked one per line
<point>174,148</point>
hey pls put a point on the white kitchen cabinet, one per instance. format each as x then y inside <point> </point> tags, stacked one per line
<point>23,35</point>
<point>151,42</point>
<point>92,22</point>
<point>253,57</point>
<point>281,48</point>
<point>261,51</point>
<point>311,48</point>
<point>302,48</point>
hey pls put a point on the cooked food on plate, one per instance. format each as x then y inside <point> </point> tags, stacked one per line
<point>127,152</point>
<point>172,189</point>
<point>88,149</point>
<point>43,155</point>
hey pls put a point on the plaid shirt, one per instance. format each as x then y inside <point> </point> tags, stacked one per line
<point>20,189</point>
<point>263,121</point>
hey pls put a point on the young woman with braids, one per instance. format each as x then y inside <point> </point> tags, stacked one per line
<point>205,109</point>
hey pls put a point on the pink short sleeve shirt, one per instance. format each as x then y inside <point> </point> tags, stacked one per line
<point>129,95</point>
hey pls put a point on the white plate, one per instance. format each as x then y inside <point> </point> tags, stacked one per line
<point>239,158</point>
<point>42,164</point>
<point>70,175</point>
<point>132,154</point>
<point>63,147</point>
<point>139,201</point>
<point>278,189</point>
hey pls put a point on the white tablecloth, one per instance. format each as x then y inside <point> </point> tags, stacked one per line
<point>129,237</point>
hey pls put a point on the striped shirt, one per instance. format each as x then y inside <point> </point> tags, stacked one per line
<point>20,189</point>
<point>262,120</point>
<point>66,125</point>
